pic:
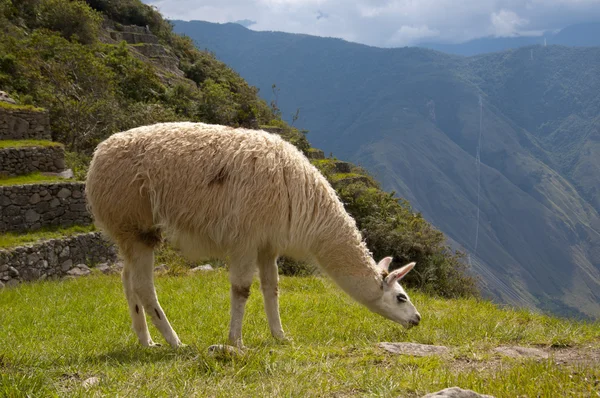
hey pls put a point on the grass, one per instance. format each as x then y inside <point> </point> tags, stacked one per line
<point>33,178</point>
<point>55,334</point>
<point>13,239</point>
<point>27,143</point>
<point>10,106</point>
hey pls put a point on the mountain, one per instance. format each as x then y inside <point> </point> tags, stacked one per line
<point>500,151</point>
<point>580,35</point>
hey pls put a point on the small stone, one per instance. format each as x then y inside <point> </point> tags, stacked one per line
<point>104,268</point>
<point>456,392</point>
<point>205,267</point>
<point>12,282</point>
<point>54,202</point>
<point>66,266</point>
<point>418,350</point>
<point>92,381</point>
<point>63,193</point>
<point>75,271</point>
<point>83,266</point>
<point>77,194</point>
<point>3,267</point>
<point>35,198</point>
<point>223,350</point>
<point>12,272</point>
<point>65,252</point>
<point>161,268</point>
<point>519,352</point>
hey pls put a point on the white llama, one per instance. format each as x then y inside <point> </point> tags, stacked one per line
<point>216,191</point>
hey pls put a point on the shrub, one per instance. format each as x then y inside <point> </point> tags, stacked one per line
<point>72,19</point>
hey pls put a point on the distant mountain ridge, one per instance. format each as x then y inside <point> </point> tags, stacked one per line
<point>412,116</point>
<point>580,35</point>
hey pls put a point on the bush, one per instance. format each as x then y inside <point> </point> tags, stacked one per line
<point>74,20</point>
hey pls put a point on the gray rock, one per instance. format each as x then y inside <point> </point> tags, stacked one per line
<point>63,193</point>
<point>76,271</point>
<point>220,350</point>
<point>456,392</point>
<point>12,272</point>
<point>418,350</point>
<point>4,97</point>
<point>161,268</point>
<point>65,252</point>
<point>520,352</point>
<point>92,381</point>
<point>12,282</point>
<point>35,198</point>
<point>66,265</point>
<point>205,267</point>
<point>31,216</point>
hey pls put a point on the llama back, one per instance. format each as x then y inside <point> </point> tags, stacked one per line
<point>211,189</point>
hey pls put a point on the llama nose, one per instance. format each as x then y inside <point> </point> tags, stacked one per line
<point>415,321</point>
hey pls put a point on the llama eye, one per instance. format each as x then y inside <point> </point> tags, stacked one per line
<point>402,298</point>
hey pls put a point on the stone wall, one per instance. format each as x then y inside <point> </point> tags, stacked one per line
<point>31,207</point>
<point>22,124</point>
<point>54,258</point>
<point>25,160</point>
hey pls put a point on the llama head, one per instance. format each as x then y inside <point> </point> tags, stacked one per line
<point>395,304</point>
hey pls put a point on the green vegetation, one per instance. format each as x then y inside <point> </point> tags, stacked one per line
<point>26,143</point>
<point>54,54</point>
<point>13,239</point>
<point>49,350</point>
<point>17,107</point>
<point>33,178</point>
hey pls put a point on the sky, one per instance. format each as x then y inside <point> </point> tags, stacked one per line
<point>390,23</point>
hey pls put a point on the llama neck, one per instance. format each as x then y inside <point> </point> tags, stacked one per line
<point>347,261</point>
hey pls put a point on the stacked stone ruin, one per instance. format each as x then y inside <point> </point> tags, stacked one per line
<point>27,208</point>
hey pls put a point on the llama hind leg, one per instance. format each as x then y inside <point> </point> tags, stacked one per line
<point>141,280</point>
<point>267,267</point>
<point>136,310</point>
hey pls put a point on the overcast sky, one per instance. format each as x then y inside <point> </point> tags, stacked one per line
<point>391,23</point>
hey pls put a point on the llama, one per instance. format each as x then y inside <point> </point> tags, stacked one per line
<point>215,191</point>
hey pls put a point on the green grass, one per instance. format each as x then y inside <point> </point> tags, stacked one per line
<point>13,239</point>
<point>57,334</point>
<point>32,108</point>
<point>27,143</point>
<point>33,178</point>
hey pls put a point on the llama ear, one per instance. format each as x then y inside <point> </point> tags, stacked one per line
<point>384,264</point>
<point>399,274</point>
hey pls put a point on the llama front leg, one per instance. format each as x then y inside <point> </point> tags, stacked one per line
<point>269,278</point>
<point>240,276</point>
<point>141,280</point>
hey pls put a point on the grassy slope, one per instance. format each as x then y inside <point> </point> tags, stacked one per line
<point>12,239</point>
<point>26,143</point>
<point>83,330</point>
<point>33,178</point>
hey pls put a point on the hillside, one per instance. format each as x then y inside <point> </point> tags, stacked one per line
<point>512,181</point>
<point>100,67</point>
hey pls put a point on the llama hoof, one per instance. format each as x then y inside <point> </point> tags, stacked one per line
<point>153,344</point>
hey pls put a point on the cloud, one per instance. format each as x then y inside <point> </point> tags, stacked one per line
<point>391,22</point>
<point>507,23</point>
